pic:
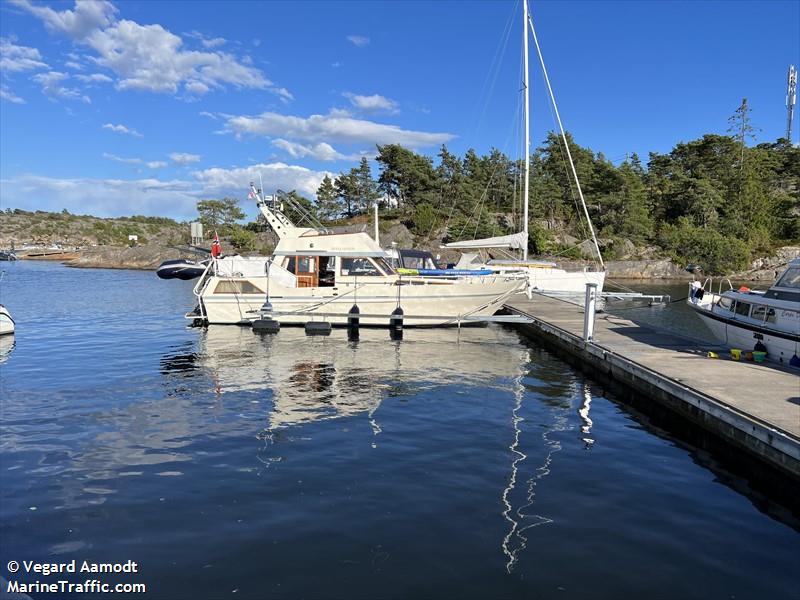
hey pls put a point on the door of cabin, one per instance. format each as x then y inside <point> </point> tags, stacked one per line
<point>307,271</point>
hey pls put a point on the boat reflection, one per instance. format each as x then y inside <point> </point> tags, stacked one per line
<point>7,344</point>
<point>314,378</point>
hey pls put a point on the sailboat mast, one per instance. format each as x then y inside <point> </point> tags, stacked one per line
<point>564,138</point>
<point>527,125</point>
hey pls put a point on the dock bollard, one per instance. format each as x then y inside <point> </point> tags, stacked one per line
<point>588,312</point>
<point>396,324</point>
<point>353,322</point>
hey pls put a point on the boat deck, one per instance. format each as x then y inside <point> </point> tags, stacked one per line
<point>754,406</point>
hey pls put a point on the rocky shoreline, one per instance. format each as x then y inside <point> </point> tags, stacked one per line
<point>149,257</point>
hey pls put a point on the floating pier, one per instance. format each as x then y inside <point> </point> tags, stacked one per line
<point>755,407</point>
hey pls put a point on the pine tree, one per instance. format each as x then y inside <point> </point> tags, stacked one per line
<point>329,206</point>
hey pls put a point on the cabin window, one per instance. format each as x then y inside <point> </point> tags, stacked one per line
<point>725,303</point>
<point>790,279</point>
<point>384,265</point>
<point>359,267</point>
<point>763,313</point>
<point>327,271</point>
<point>305,264</point>
<point>290,266</point>
<point>242,286</point>
<point>742,308</point>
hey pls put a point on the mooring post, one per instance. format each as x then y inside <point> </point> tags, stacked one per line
<point>588,312</point>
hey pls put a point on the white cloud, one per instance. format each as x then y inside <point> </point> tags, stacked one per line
<point>284,94</point>
<point>94,78</point>
<point>103,197</point>
<point>320,151</point>
<point>150,196</point>
<point>334,127</point>
<point>205,113</point>
<point>374,103</point>
<point>183,159</point>
<point>214,42</point>
<point>149,57</point>
<point>122,129</point>
<point>9,96</point>
<point>87,16</point>
<point>336,64</point>
<point>275,176</point>
<point>207,42</point>
<point>128,161</point>
<point>358,40</point>
<point>196,87</point>
<point>51,83</point>
<point>15,58</point>
<point>156,164</point>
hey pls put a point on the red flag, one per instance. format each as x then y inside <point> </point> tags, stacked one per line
<point>216,248</point>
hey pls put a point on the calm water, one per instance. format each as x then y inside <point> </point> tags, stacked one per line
<point>442,466</point>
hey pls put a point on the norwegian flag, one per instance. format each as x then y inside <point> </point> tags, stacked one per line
<point>251,195</point>
<point>216,248</point>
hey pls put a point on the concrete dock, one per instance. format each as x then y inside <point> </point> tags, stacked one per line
<point>755,407</point>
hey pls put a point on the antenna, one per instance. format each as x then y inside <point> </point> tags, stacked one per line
<point>791,100</point>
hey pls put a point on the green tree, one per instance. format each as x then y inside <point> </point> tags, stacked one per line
<point>328,205</point>
<point>347,191</point>
<point>406,177</point>
<point>219,214</point>
<point>366,187</point>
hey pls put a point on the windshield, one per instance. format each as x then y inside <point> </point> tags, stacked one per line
<point>790,279</point>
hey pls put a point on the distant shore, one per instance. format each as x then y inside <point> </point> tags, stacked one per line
<point>149,257</point>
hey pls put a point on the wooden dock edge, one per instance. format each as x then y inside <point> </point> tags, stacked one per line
<point>774,446</point>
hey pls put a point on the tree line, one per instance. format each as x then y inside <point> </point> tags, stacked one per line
<point>716,200</point>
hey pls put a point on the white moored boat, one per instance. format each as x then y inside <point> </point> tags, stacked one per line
<point>318,275</point>
<point>755,320</point>
<point>6,322</point>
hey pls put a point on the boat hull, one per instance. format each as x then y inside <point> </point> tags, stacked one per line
<point>424,304</point>
<point>6,322</point>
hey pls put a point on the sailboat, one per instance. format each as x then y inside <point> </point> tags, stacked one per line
<point>542,276</point>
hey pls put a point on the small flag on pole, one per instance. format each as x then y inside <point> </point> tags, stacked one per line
<point>216,248</point>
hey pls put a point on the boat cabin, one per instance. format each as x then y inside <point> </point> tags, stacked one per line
<point>326,271</point>
<point>329,259</point>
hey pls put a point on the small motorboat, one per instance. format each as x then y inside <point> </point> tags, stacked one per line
<point>181,269</point>
<point>766,321</point>
<point>6,322</point>
<point>7,255</point>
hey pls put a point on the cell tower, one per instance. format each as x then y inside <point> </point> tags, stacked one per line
<point>791,100</point>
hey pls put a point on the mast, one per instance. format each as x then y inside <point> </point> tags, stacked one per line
<point>566,145</point>
<point>527,125</point>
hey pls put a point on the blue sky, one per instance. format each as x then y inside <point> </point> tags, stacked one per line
<point>146,107</point>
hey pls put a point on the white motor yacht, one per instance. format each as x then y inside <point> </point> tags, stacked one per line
<point>318,275</point>
<point>754,320</point>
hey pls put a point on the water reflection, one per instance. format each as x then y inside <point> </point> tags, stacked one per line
<point>7,344</point>
<point>315,378</point>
